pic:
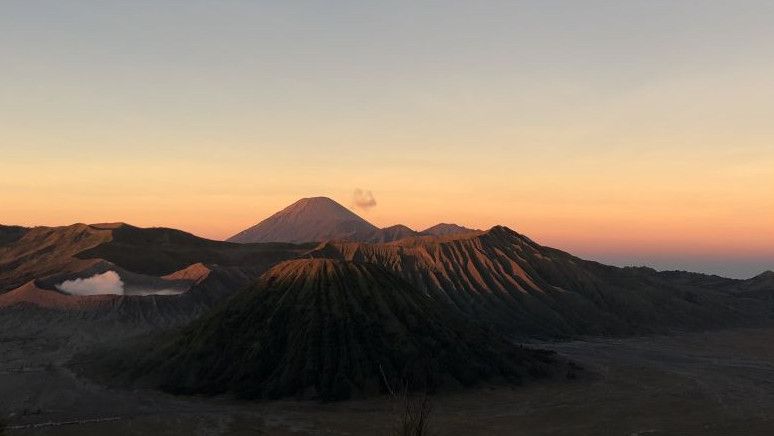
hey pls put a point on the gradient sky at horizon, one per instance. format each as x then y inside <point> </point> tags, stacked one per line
<point>637,132</point>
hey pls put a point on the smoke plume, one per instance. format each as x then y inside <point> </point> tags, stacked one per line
<point>363,199</point>
<point>99,284</point>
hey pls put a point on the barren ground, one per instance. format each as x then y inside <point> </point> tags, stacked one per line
<point>712,383</point>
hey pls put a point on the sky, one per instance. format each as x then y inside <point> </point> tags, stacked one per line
<point>636,132</point>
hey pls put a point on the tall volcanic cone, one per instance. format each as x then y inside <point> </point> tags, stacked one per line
<point>331,329</point>
<point>310,220</point>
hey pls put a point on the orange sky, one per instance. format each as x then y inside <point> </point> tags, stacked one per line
<point>637,132</point>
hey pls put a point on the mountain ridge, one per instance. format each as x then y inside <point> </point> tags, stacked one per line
<point>308,220</point>
<point>446,229</point>
<point>531,290</point>
<point>320,219</point>
<point>330,330</point>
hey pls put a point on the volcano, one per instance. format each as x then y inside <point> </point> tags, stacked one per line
<point>332,329</point>
<point>312,219</point>
<point>504,278</point>
<point>160,275</point>
<point>320,219</point>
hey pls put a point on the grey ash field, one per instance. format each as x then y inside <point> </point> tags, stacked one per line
<point>307,322</point>
<point>711,383</point>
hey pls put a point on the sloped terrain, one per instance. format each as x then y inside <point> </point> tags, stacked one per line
<point>10,234</point>
<point>309,220</point>
<point>202,288</point>
<point>42,251</point>
<point>320,219</point>
<point>444,229</point>
<point>517,285</point>
<point>147,261</point>
<point>763,282</point>
<point>327,329</point>
<point>159,251</point>
<point>497,277</point>
<point>395,233</point>
<point>707,383</point>
<point>343,319</point>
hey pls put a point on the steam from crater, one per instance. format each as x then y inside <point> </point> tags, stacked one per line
<point>108,282</point>
<point>363,199</point>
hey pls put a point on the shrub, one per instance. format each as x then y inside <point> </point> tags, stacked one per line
<point>414,419</point>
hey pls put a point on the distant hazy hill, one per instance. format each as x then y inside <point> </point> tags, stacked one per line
<point>395,233</point>
<point>760,286</point>
<point>331,329</point>
<point>444,229</point>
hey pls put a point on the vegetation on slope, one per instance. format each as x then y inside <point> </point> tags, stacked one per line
<point>330,330</point>
<point>526,289</point>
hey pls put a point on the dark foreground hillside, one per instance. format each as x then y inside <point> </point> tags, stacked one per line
<point>329,330</point>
